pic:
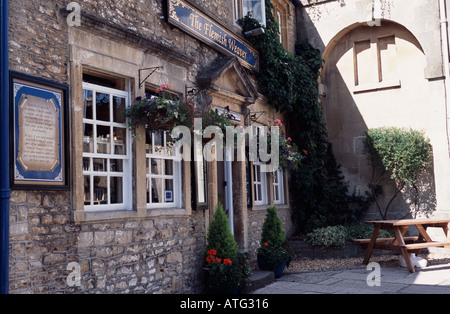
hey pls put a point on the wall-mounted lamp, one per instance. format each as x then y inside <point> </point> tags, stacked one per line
<point>255,32</point>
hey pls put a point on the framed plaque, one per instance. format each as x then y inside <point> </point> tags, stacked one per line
<point>39,134</point>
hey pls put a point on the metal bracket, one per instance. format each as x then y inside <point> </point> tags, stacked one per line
<point>254,116</point>
<point>153,70</point>
<point>191,92</point>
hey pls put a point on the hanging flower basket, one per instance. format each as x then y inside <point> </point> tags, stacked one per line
<point>290,158</point>
<point>162,112</point>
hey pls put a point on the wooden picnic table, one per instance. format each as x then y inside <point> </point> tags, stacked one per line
<point>410,244</point>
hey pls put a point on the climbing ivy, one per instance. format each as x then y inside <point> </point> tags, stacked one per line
<point>290,82</point>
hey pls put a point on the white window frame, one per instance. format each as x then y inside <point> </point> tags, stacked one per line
<point>259,180</point>
<point>278,186</point>
<point>88,169</point>
<point>280,27</point>
<point>262,199</point>
<point>176,177</point>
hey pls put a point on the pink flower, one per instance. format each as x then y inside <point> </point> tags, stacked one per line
<point>163,87</point>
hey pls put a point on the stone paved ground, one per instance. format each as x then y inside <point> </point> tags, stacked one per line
<point>434,279</point>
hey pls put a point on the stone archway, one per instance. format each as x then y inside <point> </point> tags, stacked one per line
<point>373,77</point>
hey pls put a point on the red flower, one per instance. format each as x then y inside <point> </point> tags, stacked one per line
<point>266,244</point>
<point>212,252</point>
<point>227,261</point>
<point>218,260</point>
<point>210,259</point>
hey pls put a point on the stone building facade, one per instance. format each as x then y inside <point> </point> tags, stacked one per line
<point>136,242</point>
<point>386,64</point>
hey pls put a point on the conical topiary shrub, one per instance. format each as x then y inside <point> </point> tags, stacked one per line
<point>226,267</point>
<point>220,237</point>
<point>274,253</point>
<point>273,229</point>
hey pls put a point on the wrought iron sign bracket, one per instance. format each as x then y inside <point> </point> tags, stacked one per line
<point>191,92</point>
<point>254,116</point>
<point>153,70</point>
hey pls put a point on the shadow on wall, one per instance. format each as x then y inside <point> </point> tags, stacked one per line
<point>373,77</point>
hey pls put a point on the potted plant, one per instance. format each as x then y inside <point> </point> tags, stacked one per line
<point>274,253</point>
<point>225,267</point>
<point>161,112</point>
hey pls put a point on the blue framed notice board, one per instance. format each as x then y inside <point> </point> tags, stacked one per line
<point>39,133</point>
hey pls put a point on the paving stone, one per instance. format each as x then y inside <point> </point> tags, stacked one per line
<point>393,280</point>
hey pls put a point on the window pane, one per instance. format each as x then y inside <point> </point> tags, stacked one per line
<point>259,192</point>
<point>157,191</point>
<point>116,165</point>
<point>148,142</point>
<point>169,145</point>
<point>257,174</point>
<point>103,139</point>
<point>116,187</point>
<point>257,9</point>
<point>87,190</point>
<point>169,167</point>
<point>100,165</point>
<point>100,190</point>
<point>159,143</point>
<point>103,107</point>
<point>119,109</point>
<point>277,193</point>
<point>88,138</point>
<point>120,141</point>
<point>87,104</point>
<point>169,190</point>
<point>156,166</point>
<point>86,164</point>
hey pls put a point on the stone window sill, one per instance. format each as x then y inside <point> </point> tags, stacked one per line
<point>264,207</point>
<point>365,88</point>
<point>101,216</point>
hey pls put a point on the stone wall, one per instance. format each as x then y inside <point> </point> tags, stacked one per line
<point>122,256</point>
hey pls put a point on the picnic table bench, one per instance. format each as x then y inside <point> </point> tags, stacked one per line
<point>405,245</point>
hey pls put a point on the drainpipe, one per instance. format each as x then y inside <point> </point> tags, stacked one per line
<point>5,191</point>
<point>445,60</point>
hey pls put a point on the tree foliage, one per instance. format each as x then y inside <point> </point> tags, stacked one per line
<point>400,154</point>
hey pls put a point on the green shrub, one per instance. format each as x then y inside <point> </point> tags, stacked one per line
<point>274,248</point>
<point>220,237</point>
<point>272,230</point>
<point>333,236</point>
<point>337,236</point>
<point>364,231</point>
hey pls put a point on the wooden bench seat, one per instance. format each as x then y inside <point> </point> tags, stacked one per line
<point>424,245</point>
<point>379,240</point>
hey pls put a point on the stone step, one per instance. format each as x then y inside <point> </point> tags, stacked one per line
<point>258,280</point>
